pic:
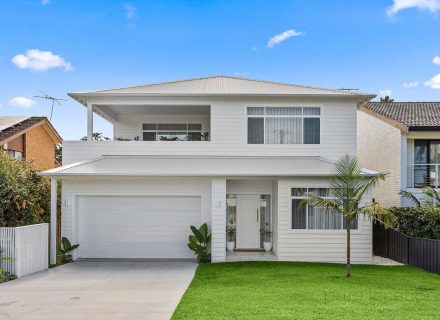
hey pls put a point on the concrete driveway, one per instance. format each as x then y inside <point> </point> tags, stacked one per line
<point>98,289</point>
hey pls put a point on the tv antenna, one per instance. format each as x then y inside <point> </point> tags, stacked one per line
<point>53,99</point>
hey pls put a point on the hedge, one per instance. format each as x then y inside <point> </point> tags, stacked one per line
<point>24,195</point>
<point>423,222</point>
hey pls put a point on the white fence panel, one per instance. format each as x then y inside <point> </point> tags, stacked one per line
<point>28,246</point>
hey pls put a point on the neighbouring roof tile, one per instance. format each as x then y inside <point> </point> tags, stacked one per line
<point>411,114</point>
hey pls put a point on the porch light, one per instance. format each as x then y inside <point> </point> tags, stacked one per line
<point>231,202</point>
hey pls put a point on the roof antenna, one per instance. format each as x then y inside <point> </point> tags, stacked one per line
<point>48,97</point>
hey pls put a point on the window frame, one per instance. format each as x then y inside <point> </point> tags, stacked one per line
<point>157,131</point>
<point>342,230</point>
<point>302,116</point>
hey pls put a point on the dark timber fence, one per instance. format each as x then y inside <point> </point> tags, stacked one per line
<point>418,252</point>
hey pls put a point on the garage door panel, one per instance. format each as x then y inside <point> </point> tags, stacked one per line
<point>136,226</point>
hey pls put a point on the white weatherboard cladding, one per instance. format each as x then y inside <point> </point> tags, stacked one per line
<point>136,226</point>
<point>318,245</point>
<point>228,132</point>
<point>179,187</point>
<point>218,230</point>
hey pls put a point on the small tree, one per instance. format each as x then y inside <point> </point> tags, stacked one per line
<point>349,186</point>
<point>386,99</point>
<point>24,195</point>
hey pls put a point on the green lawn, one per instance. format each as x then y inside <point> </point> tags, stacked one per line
<point>283,290</point>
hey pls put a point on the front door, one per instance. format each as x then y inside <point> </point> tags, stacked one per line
<point>248,222</point>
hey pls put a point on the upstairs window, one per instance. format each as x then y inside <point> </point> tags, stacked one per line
<point>172,131</point>
<point>284,125</point>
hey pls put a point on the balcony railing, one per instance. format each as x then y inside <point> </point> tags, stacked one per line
<point>423,175</point>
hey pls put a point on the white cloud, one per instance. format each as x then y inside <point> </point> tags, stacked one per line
<point>130,11</point>
<point>282,36</point>
<point>385,93</point>
<point>21,102</point>
<point>436,60</point>
<point>38,60</point>
<point>434,83</point>
<point>399,5</point>
<point>44,2</point>
<point>1,106</point>
<point>411,84</point>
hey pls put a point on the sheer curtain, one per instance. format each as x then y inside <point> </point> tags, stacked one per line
<point>320,218</point>
<point>283,130</point>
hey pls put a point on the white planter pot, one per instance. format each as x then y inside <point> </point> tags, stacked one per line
<point>230,245</point>
<point>267,246</point>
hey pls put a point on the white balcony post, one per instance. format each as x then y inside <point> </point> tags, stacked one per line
<point>436,176</point>
<point>53,221</point>
<point>89,122</point>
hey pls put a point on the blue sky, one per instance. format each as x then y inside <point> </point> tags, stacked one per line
<point>83,45</point>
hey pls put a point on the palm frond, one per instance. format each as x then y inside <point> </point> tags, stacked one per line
<point>432,198</point>
<point>411,197</point>
<point>318,202</point>
<point>367,183</point>
<point>378,212</point>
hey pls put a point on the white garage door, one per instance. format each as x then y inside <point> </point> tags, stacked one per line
<point>136,226</point>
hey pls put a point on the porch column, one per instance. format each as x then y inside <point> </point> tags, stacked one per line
<point>218,221</point>
<point>53,221</point>
<point>89,122</point>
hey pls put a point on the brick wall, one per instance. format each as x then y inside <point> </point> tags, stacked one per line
<point>40,148</point>
<point>379,150</point>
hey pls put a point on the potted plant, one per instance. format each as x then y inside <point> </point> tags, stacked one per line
<point>230,234</point>
<point>267,243</point>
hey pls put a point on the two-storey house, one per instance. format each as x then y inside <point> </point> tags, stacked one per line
<point>401,139</point>
<point>221,150</point>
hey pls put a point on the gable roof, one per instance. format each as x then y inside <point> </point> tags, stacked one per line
<point>410,116</point>
<point>12,127</point>
<point>138,166</point>
<point>223,86</point>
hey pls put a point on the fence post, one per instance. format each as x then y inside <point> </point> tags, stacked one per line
<point>407,249</point>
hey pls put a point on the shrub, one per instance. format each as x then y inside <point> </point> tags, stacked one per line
<point>24,195</point>
<point>423,222</point>
<point>200,242</point>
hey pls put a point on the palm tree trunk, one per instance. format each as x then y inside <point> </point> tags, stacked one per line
<point>348,271</point>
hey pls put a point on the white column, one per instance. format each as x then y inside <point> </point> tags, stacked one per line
<point>218,222</point>
<point>89,122</point>
<point>53,221</point>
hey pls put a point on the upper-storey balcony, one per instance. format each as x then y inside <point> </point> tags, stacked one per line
<point>423,163</point>
<point>154,122</point>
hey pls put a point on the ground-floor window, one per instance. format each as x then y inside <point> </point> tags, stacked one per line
<point>310,217</point>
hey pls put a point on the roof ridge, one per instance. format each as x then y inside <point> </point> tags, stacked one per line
<point>223,76</point>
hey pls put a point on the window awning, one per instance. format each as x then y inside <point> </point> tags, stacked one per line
<point>197,166</point>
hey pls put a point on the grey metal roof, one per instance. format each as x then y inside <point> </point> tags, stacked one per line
<point>410,114</point>
<point>138,166</point>
<point>222,85</point>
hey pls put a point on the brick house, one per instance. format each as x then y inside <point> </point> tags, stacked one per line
<point>30,138</point>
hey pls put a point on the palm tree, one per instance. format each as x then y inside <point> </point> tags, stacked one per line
<point>348,187</point>
<point>386,99</point>
<point>431,198</point>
